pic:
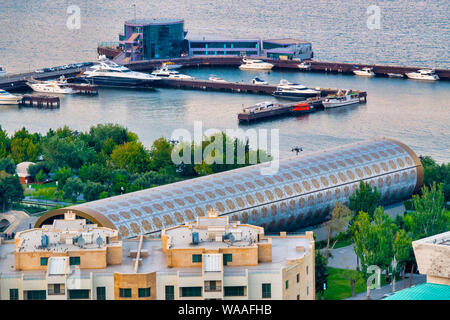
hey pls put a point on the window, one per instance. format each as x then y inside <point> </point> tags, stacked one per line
<point>44,261</point>
<point>35,295</point>
<point>170,293</point>
<point>235,291</point>
<point>13,294</point>
<point>307,269</point>
<point>56,289</point>
<point>74,261</point>
<point>144,292</point>
<point>125,292</point>
<point>266,290</point>
<point>196,258</point>
<point>287,284</point>
<point>307,291</point>
<point>298,277</point>
<point>227,257</point>
<point>79,294</point>
<point>191,292</point>
<point>101,293</point>
<point>298,297</point>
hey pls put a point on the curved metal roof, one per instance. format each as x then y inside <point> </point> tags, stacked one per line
<point>300,194</point>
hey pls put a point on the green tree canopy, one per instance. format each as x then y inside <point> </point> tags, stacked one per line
<point>72,189</point>
<point>10,191</point>
<point>7,165</point>
<point>365,199</point>
<point>321,271</point>
<point>92,190</point>
<point>66,152</point>
<point>131,156</point>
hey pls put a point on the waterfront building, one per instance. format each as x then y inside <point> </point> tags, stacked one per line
<point>211,258</point>
<point>287,49</point>
<point>433,260</point>
<point>300,194</point>
<point>224,47</point>
<point>146,39</point>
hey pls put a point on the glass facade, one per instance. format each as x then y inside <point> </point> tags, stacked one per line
<point>163,41</point>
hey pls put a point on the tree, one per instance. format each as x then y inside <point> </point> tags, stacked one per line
<point>61,175</point>
<point>437,173</point>
<point>365,199</point>
<point>23,149</point>
<point>10,191</point>
<point>40,176</point>
<point>72,189</point>
<point>7,165</point>
<point>93,190</point>
<point>40,166</point>
<point>430,217</point>
<point>321,272</point>
<point>5,143</point>
<point>161,155</point>
<point>131,156</point>
<point>340,217</point>
<point>151,179</point>
<point>94,172</point>
<point>104,137</point>
<point>66,152</point>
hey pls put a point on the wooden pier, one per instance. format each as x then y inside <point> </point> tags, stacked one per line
<point>43,102</point>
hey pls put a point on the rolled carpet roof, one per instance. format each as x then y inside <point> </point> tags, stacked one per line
<point>301,194</point>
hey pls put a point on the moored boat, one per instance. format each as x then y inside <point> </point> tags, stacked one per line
<point>423,74</point>
<point>342,98</point>
<point>255,64</point>
<point>290,90</point>
<point>8,98</point>
<point>51,86</point>
<point>364,72</point>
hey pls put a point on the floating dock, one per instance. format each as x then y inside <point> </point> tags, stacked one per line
<point>44,102</point>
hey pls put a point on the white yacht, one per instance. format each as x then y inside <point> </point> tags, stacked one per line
<point>395,75</point>
<point>423,74</point>
<point>342,98</point>
<point>8,98</point>
<point>290,90</point>
<point>109,74</point>
<point>51,86</point>
<point>258,81</point>
<point>253,64</point>
<point>216,79</point>
<point>164,72</point>
<point>171,66</point>
<point>2,71</point>
<point>304,66</point>
<point>364,72</point>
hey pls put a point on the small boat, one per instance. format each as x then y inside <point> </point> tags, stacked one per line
<point>258,81</point>
<point>164,72</point>
<point>51,86</point>
<point>342,98</point>
<point>364,72</point>
<point>423,74</point>
<point>216,79</point>
<point>294,90</point>
<point>2,71</point>
<point>304,66</point>
<point>171,66</point>
<point>254,64</point>
<point>303,107</point>
<point>8,98</point>
<point>395,75</point>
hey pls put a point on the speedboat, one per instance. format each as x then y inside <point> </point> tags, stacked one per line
<point>423,74</point>
<point>258,81</point>
<point>51,86</point>
<point>261,106</point>
<point>8,98</point>
<point>164,72</point>
<point>342,98</point>
<point>304,66</point>
<point>216,79</point>
<point>364,72</point>
<point>171,66</point>
<point>2,71</point>
<point>294,90</point>
<point>253,64</point>
<point>395,75</point>
<point>109,74</point>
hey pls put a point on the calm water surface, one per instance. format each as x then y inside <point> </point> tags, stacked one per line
<point>34,34</point>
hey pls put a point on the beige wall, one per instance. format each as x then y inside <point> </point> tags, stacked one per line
<point>135,281</point>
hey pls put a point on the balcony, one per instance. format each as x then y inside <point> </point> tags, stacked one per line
<point>213,288</point>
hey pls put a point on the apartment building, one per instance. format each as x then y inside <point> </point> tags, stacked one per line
<point>210,258</point>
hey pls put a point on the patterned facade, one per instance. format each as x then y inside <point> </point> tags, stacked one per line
<point>299,195</point>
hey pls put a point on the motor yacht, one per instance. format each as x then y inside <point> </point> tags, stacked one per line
<point>8,98</point>
<point>254,64</point>
<point>364,72</point>
<point>290,90</point>
<point>342,98</point>
<point>171,66</point>
<point>109,74</point>
<point>51,86</point>
<point>423,74</point>
<point>304,66</point>
<point>164,72</point>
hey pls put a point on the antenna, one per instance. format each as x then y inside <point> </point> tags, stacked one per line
<point>297,149</point>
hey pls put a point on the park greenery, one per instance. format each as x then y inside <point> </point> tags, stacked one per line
<point>107,160</point>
